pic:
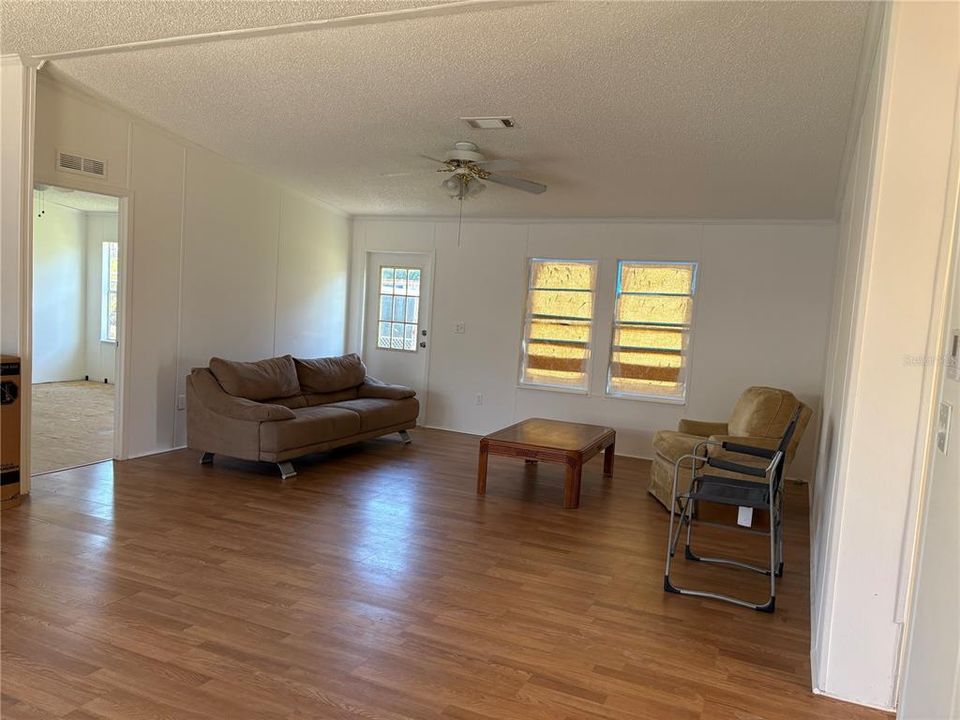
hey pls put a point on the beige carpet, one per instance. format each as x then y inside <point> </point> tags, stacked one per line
<point>72,425</point>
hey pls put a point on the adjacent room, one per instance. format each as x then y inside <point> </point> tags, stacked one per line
<point>480,360</point>
<point>75,303</point>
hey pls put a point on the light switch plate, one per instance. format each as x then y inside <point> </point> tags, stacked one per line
<point>953,355</point>
<point>181,402</point>
<point>460,328</point>
<point>944,417</point>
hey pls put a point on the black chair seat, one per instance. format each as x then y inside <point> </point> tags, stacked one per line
<point>730,491</point>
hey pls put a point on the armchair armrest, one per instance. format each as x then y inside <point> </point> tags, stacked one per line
<point>216,400</point>
<point>701,428</point>
<point>373,388</point>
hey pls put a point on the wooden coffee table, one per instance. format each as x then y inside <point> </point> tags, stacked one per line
<point>556,441</point>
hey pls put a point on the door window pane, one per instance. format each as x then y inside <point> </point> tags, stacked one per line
<point>398,310</point>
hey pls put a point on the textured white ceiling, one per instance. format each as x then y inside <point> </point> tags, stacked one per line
<point>76,199</point>
<point>665,110</point>
<point>43,27</point>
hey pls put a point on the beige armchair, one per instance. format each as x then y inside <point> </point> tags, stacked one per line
<point>759,418</point>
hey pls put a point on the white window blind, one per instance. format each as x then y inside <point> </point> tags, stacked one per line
<point>558,323</point>
<point>651,329</point>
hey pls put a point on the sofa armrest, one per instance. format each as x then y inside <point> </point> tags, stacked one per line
<point>701,428</point>
<point>373,388</point>
<point>217,401</point>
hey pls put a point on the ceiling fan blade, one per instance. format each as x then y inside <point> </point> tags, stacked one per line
<point>433,159</point>
<point>411,172</point>
<point>497,165</point>
<point>518,183</point>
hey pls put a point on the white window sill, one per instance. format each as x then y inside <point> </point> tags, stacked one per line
<point>664,400</point>
<point>108,342</point>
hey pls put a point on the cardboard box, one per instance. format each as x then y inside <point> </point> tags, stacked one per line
<point>9,431</point>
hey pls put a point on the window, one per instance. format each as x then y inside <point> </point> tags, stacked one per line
<point>399,308</point>
<point>559,316</point>
<point>108,298</point>
<point>651,329</point>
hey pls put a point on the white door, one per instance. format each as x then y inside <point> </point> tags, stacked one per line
<point>396,333</point>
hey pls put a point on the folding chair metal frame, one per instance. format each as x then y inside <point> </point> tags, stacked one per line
<point>700,484</point>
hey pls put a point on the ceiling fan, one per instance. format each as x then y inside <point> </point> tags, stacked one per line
<point>468,169</point>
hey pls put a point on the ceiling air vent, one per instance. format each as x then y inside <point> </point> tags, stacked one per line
<point>489,123</point>
<point>73,163</point>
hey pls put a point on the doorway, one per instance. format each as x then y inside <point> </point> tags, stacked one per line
<point>396,319</point>
<point>75,310</point>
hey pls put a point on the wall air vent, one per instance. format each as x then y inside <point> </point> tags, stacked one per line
<point>489,123</point>
<point>73,163</point>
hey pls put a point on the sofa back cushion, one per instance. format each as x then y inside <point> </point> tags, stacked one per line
<point>330,374</point>
<point>261,380</point>
<point>762,412</point>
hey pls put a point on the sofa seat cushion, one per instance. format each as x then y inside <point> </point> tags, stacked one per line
<point>376,413</point>
<point>330,374</point>
<point>332,397</point>
<point>261,380</point>
<point>312,425</point>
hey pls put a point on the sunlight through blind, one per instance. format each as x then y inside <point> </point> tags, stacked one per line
<point>651,329</point>
<point>558,321</point>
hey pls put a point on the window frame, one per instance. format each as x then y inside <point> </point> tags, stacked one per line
<point>380,296</point>
<point>525,317</point>
<point>686,352</point>
<point>108,250</point>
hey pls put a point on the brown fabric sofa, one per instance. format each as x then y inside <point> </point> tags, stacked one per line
<point>282,408</point>
<point>759,418</point>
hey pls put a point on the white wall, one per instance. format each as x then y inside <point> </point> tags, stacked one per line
<point>219,261</point>
<point>59,294</point>
<point>761,316</point>
<point>14,83</point>
<point>876,399</point>
<point>99,355</point>
<point>931,679</point>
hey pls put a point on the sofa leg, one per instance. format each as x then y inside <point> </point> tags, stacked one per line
<point>286,470</point>
<point>206,458</point>
<point>405,436</point>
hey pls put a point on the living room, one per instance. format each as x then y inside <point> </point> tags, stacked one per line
<point>278,168</point>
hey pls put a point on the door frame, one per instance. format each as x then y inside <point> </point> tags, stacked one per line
<point>122,361</point>
<point>426,312</point>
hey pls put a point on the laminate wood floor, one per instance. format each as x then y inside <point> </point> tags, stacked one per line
<point>377,585</point>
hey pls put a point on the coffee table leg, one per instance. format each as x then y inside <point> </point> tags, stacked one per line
<point>608,459</point>
<point>571,488</point>
<point>482,470</point>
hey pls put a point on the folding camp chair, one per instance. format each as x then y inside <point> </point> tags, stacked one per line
<point>707,488</point>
